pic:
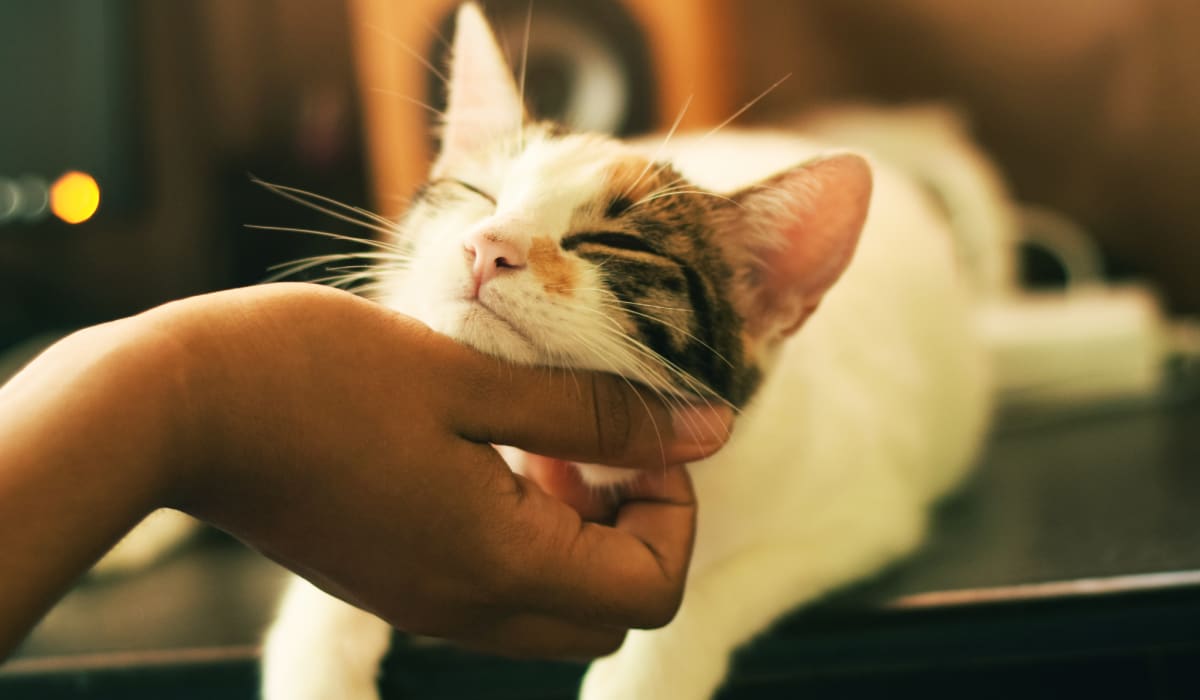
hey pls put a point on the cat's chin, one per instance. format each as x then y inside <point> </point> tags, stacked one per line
<point>602,477</point>
<point>592,490</point>
<point>477,326</point>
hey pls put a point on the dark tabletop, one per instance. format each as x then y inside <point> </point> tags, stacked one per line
<point>1076,542</point>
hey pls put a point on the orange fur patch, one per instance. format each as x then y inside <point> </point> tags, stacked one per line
<point>555,272</point>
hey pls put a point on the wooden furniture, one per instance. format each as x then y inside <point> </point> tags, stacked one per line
<point>393,38</point>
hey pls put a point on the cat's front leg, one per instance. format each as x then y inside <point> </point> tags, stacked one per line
<point>728,604</point>
<point>682,661</point>
<point>320,648</point>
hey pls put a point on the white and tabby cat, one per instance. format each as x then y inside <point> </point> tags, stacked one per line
<point>756,269</point>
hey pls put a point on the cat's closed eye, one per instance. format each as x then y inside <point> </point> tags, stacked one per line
<point>609,239</point>
<point>470,188</point>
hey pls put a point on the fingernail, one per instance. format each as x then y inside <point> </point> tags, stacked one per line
<point>701,429</point>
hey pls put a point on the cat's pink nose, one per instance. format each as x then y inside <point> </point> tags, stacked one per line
<point>492,255</point>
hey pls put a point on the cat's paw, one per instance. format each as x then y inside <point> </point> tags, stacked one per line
<point>320,683</point>
<point>320,648</point>
<point>655,664</point>
<point>318,672</point>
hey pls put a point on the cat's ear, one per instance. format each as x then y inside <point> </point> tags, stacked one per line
<point>483,104</point>
<point>798,231</point>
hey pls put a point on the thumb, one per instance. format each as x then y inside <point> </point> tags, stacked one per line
<point>583,417</point>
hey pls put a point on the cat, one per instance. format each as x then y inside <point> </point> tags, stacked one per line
<point>815,291</point>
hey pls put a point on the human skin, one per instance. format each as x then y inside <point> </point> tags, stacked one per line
<point>353,445</point>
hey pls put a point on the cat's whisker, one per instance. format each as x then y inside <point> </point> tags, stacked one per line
<point>616,367</point>
<point>690,383</point>
<point>345,272</point>
<point>611,357</point>
<point>687,334</point>
<point>288,269</point>
<point>677,182</point>
<point>673,401</point>
<point>412,101</point>
<point>666,192</point>
<point>304,197</point>
<point>406,49</point>
<point>630,364</point>
<point>745,107</point>
<point>681,309</point>
<point>524,65</point>
<point>714,130</point>
<point>653,366</point>
<point>367,291</point>
<point>335,257</point>
<point>360,270</point>
<point>341,281</point>
<point>681,180</point>
<point>379,245</point>
<point>694,387</point>
<point>661,147</point>
<point>702,193</point>
<point>602,290</point>
<point>676,185</point>
<point>371,220</point>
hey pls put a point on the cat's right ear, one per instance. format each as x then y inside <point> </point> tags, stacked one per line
<point>798,230</point>
<point>483,105</point>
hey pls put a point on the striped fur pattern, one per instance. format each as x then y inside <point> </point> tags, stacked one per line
<point>635,246</point>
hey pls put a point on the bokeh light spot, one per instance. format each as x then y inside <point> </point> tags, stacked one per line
<point>75,197</point>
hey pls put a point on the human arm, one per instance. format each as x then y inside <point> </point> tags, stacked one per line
<point>351,444</point>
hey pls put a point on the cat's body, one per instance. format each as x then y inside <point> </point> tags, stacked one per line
<point>851,426</point>
<point>874,409</point>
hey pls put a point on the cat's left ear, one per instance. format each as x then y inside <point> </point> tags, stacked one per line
<point>798,231</point>
<point>483,105</point>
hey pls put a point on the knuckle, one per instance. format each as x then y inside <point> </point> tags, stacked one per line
<point>608,643</point>
<point>613,417</point>
<point>661,611</point>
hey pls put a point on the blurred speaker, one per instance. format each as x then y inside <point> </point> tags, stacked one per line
<point>613,66</point>
<point>586,64</point>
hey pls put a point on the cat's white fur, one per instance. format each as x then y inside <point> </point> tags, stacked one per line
<point>153,539</point>
<point>873,410</point>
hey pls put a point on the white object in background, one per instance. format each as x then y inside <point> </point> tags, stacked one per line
<point>1085,346</point>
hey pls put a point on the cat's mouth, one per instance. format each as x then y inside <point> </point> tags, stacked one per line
<point>478,311</point>
<point>491,331</point>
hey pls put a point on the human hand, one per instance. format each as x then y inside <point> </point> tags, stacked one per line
<point>352,444</point>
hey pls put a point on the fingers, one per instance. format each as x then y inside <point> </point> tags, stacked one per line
<point>582,416</point>
<point>562,480</point>
<point>628,575</point>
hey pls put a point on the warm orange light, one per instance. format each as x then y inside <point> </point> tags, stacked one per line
<point>74,197</point>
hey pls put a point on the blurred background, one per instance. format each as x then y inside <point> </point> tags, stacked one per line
<point>131,130</point>
<point>170,107</point>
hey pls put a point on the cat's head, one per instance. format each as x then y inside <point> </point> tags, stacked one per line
<point>576,250</point>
